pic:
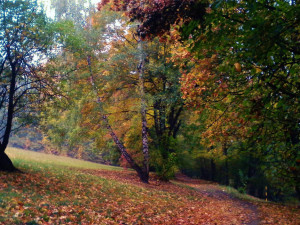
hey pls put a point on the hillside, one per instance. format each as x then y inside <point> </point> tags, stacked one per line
<point>61,190</point>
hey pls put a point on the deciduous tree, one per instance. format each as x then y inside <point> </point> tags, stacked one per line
<point>24,42</point>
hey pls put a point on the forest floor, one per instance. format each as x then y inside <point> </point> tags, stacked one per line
<point>60,190</point>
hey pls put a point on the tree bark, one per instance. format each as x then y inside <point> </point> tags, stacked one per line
<point>5,162</point>
<point>226,168</point>
<point>144,176</point>
<point>294,136</point>
<point>143,110</point>
<point>213,170</point>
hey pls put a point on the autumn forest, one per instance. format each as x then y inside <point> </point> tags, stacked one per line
<point>111,107</point>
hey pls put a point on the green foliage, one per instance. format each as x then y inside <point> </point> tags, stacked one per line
<point>165,158</point>
<point>235,65</point>
<point>25,42</point>
<point>254,47</point>
<point>73,121</point>
<point>83,192</point>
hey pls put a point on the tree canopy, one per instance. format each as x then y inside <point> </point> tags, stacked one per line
<point>207,88</point>
<point>24,41</point>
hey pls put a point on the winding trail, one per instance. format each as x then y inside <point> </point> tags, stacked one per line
<point>215,192</point>
<point>216,205</point>
<point>212,204</point>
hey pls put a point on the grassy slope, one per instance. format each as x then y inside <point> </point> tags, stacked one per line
<point>20,156</point>
<point>54,190</point>
<point>60,190</point>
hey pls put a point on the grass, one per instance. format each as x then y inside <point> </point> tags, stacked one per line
<point>60,190</point>
<point>56,190</point>
<point>234,192</point>
<point>20,156</point>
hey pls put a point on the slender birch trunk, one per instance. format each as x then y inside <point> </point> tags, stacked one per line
<point>144,176</point>
<point>143,172</point>
<point>143,111</point>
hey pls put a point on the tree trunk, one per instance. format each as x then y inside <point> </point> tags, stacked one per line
<point>294,136</point>
<point>226,169</point>
<point>5,163</point>
<point>143,175</point>
<point>213,170</point>
<point>143,110</point>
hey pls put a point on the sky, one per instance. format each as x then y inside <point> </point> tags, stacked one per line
<point>50,12</point>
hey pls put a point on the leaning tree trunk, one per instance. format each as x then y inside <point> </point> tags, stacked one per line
<point>143,173</point>
<point>144,176</point>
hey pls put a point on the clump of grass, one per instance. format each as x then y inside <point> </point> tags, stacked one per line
<point>237,194</point>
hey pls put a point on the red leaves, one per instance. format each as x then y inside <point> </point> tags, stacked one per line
<point>157,16</point>
<point>61,196</point>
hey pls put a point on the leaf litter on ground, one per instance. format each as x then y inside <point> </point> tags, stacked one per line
<point>48,193</point>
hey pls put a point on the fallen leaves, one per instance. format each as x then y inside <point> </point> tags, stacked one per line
<point>49,195</point>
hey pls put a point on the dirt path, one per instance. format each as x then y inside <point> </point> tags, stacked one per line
<point>215,192</point>
<point>215,203</point>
